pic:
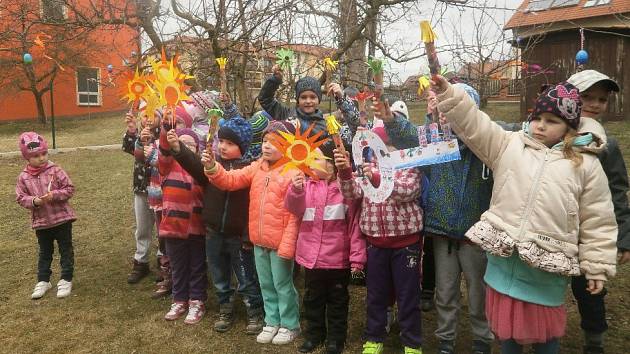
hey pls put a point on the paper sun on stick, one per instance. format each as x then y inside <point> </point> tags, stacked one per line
<point>332,126</point>
<point>153,103</point>
<point>298,151</point>
<point>429,37</point>
<point>136,89</point>
<point>285,59</point>
<point>222,62</point>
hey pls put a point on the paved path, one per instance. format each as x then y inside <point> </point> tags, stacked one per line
<point>54,151</point>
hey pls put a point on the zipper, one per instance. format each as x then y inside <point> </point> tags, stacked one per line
<point>529,208</point>
<point>262,202</point>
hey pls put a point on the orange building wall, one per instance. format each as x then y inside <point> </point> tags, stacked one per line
<point>113,45</point>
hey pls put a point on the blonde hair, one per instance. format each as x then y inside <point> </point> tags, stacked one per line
<point>568,151</point>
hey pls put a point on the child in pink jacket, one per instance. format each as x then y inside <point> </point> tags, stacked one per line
<point>44,188</point>
<point>329,246</point>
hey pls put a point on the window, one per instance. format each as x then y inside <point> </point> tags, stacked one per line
<point>89,87</point>
<point>590,3</point>
<point>53,10</point>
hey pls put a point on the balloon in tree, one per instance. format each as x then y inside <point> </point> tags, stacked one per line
<point>28,58</point>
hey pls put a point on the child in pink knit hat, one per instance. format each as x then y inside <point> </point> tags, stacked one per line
<point>44,188</point>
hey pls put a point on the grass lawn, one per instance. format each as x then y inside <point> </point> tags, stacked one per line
<point>105,314</point>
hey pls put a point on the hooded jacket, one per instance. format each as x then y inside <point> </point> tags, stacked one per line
<point>558,216</point>
<point>32,185</point>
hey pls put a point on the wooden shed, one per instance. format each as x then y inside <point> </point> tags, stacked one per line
<point>547,33</point>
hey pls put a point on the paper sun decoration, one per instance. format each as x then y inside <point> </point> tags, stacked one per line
<point>285,58</point>
<point>222,63</point>
<point>169,83</point>
<point>298,151</point>
<point>137,88</point>
<point>153,103</point>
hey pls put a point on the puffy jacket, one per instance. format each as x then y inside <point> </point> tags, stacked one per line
<point>58,211</point>
<point>398,215</point>
<point>141,169</point>
<point>558,216</point>
<point>329,236</point>
<point>182,198</point>
<point>271,225</point>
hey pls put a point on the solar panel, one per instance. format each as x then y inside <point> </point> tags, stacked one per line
<point>596,3</point>
<point>537,5</point>
<point>563,3</point>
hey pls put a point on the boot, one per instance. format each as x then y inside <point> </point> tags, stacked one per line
<point>139,271</point>
<point>164,287</point>
<point>226,318</point>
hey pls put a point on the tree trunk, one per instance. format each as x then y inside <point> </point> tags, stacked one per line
<point>355,72</point>
<point>39,102</point>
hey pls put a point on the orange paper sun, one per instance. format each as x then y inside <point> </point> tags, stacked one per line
<point>170,85</point>
<point>137,87</point>
<point>298,151</point>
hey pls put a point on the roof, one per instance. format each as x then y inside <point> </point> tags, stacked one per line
<point>523,17</point>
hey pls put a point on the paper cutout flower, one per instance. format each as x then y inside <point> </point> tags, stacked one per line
<point>285,58</point>
<point>330,65</point>
<point>376,65</point>
<point>222,62</point>
<point>299,151</point>
<point>426,32</point>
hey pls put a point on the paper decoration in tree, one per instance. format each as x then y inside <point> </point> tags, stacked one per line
<point>137,88</point>
<point>333,126</point>
<point>40,43</point>
<point>285,59</point>
<point>222,62</point>
<point>429,37</point>
<point>376,65</point>
<point>298,151</point>
<point>435,152</point>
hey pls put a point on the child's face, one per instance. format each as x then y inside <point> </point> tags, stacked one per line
<point>228,150</point>
<point>269,151</point>
<point>189,142</point>
<point>548,129</point>
<point>38,160</point>
<point>308,102</point>
<point>594,101</point>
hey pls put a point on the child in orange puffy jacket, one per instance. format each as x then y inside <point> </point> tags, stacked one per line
<point>273,231</point>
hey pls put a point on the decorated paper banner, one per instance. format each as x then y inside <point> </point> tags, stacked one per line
<point>298,151</point>
<point>387,162</point>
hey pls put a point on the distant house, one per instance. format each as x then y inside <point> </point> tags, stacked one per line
<point>547,32</point>
<point>82,88</point>
<point>494,79</point>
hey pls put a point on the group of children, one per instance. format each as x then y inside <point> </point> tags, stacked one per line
<point>543,217</point>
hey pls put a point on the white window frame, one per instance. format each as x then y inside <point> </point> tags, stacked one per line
<point>592,3</point>
<point>64,10</point>
<point>98,92</point>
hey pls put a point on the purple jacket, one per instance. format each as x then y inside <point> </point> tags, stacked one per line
<point>31,185</point>
<point>329,236</point>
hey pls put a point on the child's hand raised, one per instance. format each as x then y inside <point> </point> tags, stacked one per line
<point>130,120</point>
<point>207,159</point>
<point>277,71</point>
<point>335,89</point>
<point>439,84</point>
<point>298,182</point>
<point>382,110</point>
<point>341,159</point>
<point>173,140</point>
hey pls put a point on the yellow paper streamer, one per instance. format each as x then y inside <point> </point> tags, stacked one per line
<point>427,33</point>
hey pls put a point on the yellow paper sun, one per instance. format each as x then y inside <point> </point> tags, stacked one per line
<point>170,86</point>
<point>137,87</point>
<point>153,103</point>
<point>298,151</point>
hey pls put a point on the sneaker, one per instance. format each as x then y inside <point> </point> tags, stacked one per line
<point>226,318</point>
<point>178,309</point>
<point>447,347</point>
<point>285,336</point>
<point>409,350</point>
<point>64,288</point>
<point>196,310</point>
<point>40,289</point>
<point>372,348</point>
<point>139,271</point>
<point>254,324</point>
<point>267,334</point>
<point>481,347</point>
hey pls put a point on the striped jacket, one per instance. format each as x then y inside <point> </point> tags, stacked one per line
<point>329,235</point>
<point>58,211</point>
<point>182,198</point>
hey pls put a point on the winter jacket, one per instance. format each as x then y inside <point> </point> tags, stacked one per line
<point>224,212</point>
<point>270,224</point>
<point>29,186</point>
<point>329,235</point>
<point>459,190</point>
<point>558,216</point>
<point>154,188</point>
<point>398,215</point>
<point>278,111</point>
<point>182,198</point>
<point>141,174</point>
<point>617,174</point>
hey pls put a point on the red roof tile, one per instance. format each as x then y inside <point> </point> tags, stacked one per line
<point>522,17</point>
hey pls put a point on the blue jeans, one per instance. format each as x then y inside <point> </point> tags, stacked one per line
<point>226,255</point>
